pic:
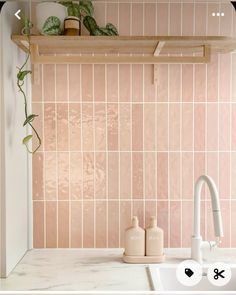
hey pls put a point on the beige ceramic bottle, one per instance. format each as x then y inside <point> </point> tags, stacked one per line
<point>135,239</point>
<point>154,239</point>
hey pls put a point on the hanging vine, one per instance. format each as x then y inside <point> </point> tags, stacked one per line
<point>21,76</point>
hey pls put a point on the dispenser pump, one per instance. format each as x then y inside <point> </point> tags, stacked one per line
<point>135,221</point>
<point>153,222</point>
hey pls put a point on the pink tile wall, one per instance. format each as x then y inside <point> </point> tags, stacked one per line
<point>115,145</point>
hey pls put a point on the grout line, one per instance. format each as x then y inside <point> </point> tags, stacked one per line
<point>168,115</point>
<point>180,138</point>
<point>155,128</point>
<point>107,205</point>
<point>131,118</point>
<point>95,164</point>
<point>143,121</point>
<point>44,162</point>
<point>82,156</point>
<point>69,154</point>
<point>56,130</point>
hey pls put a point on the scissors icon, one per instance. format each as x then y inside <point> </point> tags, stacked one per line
<point>218,274</point>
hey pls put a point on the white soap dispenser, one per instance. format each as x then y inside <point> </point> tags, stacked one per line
<point>154,239</point>
<point>135,239</point>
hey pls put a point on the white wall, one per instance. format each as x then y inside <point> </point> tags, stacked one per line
<point>14,158</point>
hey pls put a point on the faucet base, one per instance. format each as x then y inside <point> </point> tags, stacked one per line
<point>196,249</point>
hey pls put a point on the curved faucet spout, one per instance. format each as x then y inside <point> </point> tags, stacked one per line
<point>215,205</point>
<point>197,239</point>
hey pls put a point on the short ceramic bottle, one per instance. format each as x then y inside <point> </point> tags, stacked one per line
<point>154,239</point>
<point>135,239</point>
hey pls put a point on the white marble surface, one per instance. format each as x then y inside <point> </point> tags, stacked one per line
<point>90,270</point>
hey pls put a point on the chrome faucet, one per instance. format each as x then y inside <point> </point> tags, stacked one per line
<point>197,243</point>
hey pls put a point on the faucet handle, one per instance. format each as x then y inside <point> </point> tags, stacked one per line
<point>214,244</point>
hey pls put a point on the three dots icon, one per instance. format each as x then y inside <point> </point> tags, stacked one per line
<point>218,14</point>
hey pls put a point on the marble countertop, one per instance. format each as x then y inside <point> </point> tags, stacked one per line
<point>90,270</point>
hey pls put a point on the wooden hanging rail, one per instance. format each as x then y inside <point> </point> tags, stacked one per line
<point>123,49</point>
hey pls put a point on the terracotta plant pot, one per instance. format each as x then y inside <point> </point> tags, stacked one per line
<point>72,26</point>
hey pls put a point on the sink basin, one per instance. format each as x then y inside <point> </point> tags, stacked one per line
<point>164,281</point>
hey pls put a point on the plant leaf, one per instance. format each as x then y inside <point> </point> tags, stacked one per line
<point>86,7</point>
<point>30,119</point>
<point>74,10</point>
<point>21,75</point>
<point>52,26</point>
<point>27,139</point>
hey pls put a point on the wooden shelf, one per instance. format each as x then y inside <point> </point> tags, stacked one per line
<point>123,49</point>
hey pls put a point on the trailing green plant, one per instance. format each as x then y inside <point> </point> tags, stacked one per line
<point>79,9</point>
<point>94,30</point>
<point>21,76</point>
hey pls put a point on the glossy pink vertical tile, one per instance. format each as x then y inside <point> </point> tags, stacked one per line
<point>200,19</point>
<point>125,220</point>
<point>138,210</point>
<point>162,127</point>
<point>87,82</point>
<point>224,127</point>
<point>124,83</point>
<point>113,175</point>
<point>233,228</point>
<point>88,224</point>
<point>175,82</point>
<point>38,176</point>
<point>50,176</point>
<point>199,127</point>
<point>99,83</point>
<point>137,20</point>
<point>76,172</point>
<point>61,83</point>
<point>37,108</point>
<point>100,175</point>
<point>212,79</point>
<point>49,82</point>
<point>175,224</point>
<point>174,127</point>
<point>212,168</point>
<point>137,83</point>
<point>137,127</point>
<point>137,181</point>
<point>175,19</point>
<point>187,223</point>
<point>125,175</point>
<point>149,86</point>
<point>187,19</point>
<point>112,83</point>
<point>100,126</point>
<point>212,127</point>
<point>224,175</point>
<point>187,83</point>
<point>125,127</point>
<point>76,224</point>
<point>62,127</point>
<point>150,175</point>
<point>199,165</point>
<point>74,76</point>
<point>162,11</point>
<point>187,127</point>
<point>200,83</point>
<point>124,18</point>
<point>63,224</point>
<point>113,224</point>
<point>149,19</point>
<point>88,175</point>
<point>162,175</point>
<point>226,22</point>
<point>112,13</point>
<point>101,224</point>
<point>99,12</point>
<point>163,220</point>
<point>224,77</point>
<point>112,126</point>
<point>187,175</point>
<point>87,127</point>
<point>233,127</point>
<point>51,224</point>
<point>74,127</point>
<point>149,127</point>
<point>234,76</point>
<point>162,83</point>
<point>63,175</point>
<point>174,175</point>
<point>38,224</point>
<point>37,95</point>
<point>49,127</point>
<point>233,175</point>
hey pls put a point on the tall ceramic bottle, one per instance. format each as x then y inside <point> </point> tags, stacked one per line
<point>154,239</point>
<point>135,239</point>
